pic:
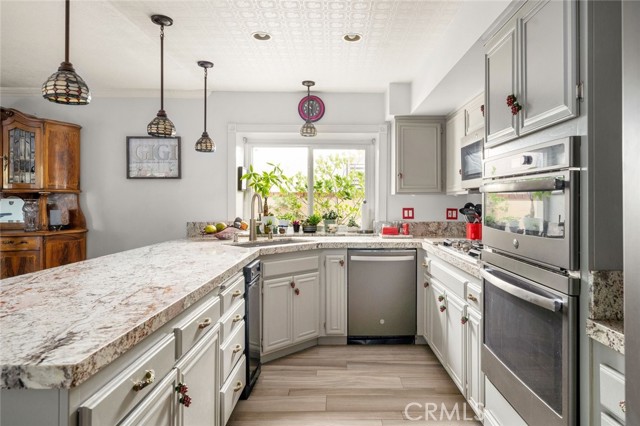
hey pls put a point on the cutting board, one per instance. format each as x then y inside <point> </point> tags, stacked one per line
<point>395,236</point>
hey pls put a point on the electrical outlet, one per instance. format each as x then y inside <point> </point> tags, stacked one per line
<point>452,214</point>
<point>407,212</point>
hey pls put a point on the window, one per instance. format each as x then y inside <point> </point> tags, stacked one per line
<point>339,177</point>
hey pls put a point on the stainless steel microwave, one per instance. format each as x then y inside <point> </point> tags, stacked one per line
<point>471,159</point>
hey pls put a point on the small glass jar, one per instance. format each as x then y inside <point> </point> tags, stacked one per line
<point>30,210</point>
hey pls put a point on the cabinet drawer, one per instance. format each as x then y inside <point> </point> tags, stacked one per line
<point>451,279</point>
<point>231,321</point>
<point>19,243</point>
<point>612,391</point>
<point>231,390</point>
<point>118,397</point>
<point>196,325</point>
<point>474,296</point>
<point>157,408</point>
<point>232,294</point>
<point>289,266</point>
<point>232,350</point>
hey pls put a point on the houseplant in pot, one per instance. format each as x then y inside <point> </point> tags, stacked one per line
<point>296,225</point>
<point>329,218</point>
<point>262,183</point>
<point>310,225</point>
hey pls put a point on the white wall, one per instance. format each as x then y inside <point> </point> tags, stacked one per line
<point>123,213</point>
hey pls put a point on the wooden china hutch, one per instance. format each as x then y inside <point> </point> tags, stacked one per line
<point>41,162</point>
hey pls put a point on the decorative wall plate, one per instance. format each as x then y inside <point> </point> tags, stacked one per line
<point>311,107</point>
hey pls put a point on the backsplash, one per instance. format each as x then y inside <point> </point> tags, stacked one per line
<point>606,301</point>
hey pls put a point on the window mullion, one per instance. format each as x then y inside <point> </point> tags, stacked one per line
<point>310,180</point>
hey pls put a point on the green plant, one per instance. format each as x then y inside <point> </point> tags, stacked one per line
<point>287,216</point>
<point>352,223</point>
<point>330,215</point>
<point>313,220</point>
<point>262,183</point>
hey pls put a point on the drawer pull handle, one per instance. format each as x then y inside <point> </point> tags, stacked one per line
<point>472,297</point>
<point>239,386</point>
<point>237,318</point>
<point>623,405</point>
<point>11,242</point>
<point>205,323</point>
<point>149,377</point>
<point>237,348</point>
<point>236,293</point>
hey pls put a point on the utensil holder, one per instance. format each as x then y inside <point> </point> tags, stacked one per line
<point>474,231</point>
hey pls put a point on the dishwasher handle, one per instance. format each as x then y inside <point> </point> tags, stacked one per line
<point>381,258</point>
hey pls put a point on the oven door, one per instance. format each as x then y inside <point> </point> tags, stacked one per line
<point>533,217</point>
<point>529,346</point>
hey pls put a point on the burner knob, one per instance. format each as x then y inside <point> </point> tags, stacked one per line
<point>516,243</point>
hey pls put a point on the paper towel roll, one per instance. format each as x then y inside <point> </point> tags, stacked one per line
<point>366,221</point>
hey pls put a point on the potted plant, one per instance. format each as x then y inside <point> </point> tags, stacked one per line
<point>267,226</point>
<point>262,183</point>
<point>296,225</point>
<point>310,224</point>
<point>352,225</point>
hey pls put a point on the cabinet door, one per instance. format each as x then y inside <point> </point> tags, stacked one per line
<point>306,307</point>
<point>199,370</point>
<point>64,249</point>
<point>429,306</point>
<point>276,313</point>
<point>475,377</point>
<point>455,130</point>
<point>19,262</point>
<point>62,153</point>
<point>456,340</point>
<point>22,153</point>
<point>159,407</point>
<point>418,156</point>
<point>501,81</point>
<point>474,115</point>
<point>437,318</point>
<point>548,83</point>
<point>335,275</point>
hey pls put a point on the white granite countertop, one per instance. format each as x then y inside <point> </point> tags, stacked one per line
<point>60,326</point>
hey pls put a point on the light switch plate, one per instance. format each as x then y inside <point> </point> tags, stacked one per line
<point>407,212</point>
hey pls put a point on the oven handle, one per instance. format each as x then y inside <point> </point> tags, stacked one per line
<point>553,305</point>
<point>547,184</point>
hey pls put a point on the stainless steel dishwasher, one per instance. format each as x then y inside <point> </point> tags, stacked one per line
<point>381,296</point>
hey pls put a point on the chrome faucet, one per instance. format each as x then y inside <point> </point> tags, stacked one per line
<point>252,221</point>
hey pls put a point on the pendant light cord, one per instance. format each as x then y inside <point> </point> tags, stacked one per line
<point>205,100</point>
<point>66,30</point>
<point>161,67</point>
<point>308,104</point>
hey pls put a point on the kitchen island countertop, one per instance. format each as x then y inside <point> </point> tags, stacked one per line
<point>60,326</point>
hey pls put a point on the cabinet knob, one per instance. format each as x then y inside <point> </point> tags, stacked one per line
<point>237,318</point>
<point>460,172</point>
<point>238,386</point>
<point>440,298</point>
<point>623,405</point>
<point>426,284</point>
<point>182,390</point>
<point>149,377</point>
<point>400,175</point>
<point>236,293</point>
<point>443,308</point>
<point>472,297</point>
<point>341,262</point>
<point>292,284</point>
<point>297,290</point>
<point>205,323</point>
<point>464,320</point>
<point>237,348</point>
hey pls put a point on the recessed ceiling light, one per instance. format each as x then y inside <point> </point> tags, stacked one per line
<point>262,36</point>
<point>352,37</point>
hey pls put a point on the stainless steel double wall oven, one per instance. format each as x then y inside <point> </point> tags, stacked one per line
<point>531,287</point>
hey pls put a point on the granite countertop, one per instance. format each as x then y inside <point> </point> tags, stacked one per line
<point>608,332</point>
<point>60,326</point>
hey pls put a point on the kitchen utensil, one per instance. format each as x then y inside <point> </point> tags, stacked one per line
<point>478,208</point>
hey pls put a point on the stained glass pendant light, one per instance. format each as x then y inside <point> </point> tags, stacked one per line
<point>161,126</point>
<point>308,129</point>
<point>65,86</point>
<point>205,143</point>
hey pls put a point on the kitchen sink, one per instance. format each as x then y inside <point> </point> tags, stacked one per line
<point>267,243</point>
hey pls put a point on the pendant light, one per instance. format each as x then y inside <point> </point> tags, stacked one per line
<point>65,86</point>
<point>308,129</point>
<point>205,143</point>
<point>161,126</point>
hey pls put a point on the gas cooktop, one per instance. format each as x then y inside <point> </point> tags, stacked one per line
<point>464,247</point>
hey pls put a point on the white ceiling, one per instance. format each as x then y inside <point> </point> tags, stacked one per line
<point>115,47</point>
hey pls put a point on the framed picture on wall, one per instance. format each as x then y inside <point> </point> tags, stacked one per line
<point>153,158</point>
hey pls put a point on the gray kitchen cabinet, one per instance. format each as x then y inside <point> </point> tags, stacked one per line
<point>455,339</point>
<point>534,57</point>
<point>335,287</point>
<point>475,376</point>
<point>474,116</point>
<point>159,407</point>
<point>277,315</point>
<point>455,130</point>
<point>438,320</point>
<point>418,155</point>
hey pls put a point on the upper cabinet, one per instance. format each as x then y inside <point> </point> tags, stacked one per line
<point>39,155</point>
<point>474,115</point>
<point>455,129</point>
<point>534,58</point>
<point>418,150</point>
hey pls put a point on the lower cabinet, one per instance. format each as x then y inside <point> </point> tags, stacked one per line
<point>456,340</point>
<point>335,278</point>
<point>291,310</point>
<point>159,407</point>
<point>475,377</point>
<point>436,310</point>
